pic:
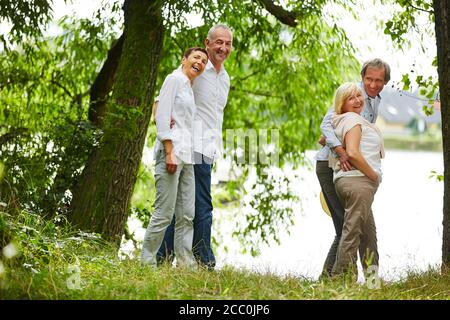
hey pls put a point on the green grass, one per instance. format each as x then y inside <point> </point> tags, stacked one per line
<point>103,276</point>
<point>54,262</point>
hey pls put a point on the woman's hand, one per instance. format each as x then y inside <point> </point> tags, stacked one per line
<point>171,159</point>
<point>322,140</point>
<point>171,162</point>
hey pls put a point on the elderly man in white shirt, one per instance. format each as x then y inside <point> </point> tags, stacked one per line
<point>211,92</point>
<point>375,74</point>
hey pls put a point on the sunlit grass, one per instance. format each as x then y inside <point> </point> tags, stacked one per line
<point>105,277</point>
<point>48,261</point>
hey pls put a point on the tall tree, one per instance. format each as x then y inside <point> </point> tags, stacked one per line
<point>402,22</point>
<point>442,27</point>
<point>102,195</point>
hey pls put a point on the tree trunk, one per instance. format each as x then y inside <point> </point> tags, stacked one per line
<point>442,16</point>
<point>77,152</point>
<point>104,82</point>
<point>102,196</point>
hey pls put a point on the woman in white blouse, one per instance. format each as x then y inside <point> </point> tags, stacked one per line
<point>174,173</point>
<point>356,188</point>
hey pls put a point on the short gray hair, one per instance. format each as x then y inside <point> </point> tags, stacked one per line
<point>378,64</point>
<point>214,28</point>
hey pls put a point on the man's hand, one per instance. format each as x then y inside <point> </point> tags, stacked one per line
<point>343,158</point>
<point>322,140</point>
<point>154,108</point>
<point>171,162</point>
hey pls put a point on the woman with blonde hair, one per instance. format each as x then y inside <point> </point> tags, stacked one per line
<point>356,188</point>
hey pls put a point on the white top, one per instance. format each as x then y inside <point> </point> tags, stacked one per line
<point>371,145</point>
<point>176,101</point>
<point>369,112</point>
<point>211,92</point>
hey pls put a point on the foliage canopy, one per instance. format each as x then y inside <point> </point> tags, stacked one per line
<point>282,78</point>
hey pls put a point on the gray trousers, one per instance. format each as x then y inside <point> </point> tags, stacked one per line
<point>325,176</point>
<point>359,231</point>
<point>174,193</point>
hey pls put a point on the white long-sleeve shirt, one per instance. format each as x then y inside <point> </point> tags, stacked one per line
<point>211,92</point>
<point>176,101</point>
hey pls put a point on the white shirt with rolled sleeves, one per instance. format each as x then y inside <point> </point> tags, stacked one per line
<point>176,102</point>
<point>370,113</point>
<point>211,90</point>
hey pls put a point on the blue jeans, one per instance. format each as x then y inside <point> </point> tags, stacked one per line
<point>201,244</point>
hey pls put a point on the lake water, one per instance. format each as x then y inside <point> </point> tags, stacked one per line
<point>408,214</point>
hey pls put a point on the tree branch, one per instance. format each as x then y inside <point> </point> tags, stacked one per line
<point>11,135</point>
<point>420,9</point>
<point>287,17</point>
<point>56,83</point>
<point>256,93</point>
<point>104,82</point>
<point>238,80</point>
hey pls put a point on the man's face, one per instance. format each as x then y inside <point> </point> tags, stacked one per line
<point>220,46</point>
<point>374,81</point>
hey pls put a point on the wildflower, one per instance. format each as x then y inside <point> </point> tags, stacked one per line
<point>10,251</point>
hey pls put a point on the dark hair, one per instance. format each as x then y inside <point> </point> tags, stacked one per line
<point>188,52</point>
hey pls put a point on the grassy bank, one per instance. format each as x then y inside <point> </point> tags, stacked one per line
<point>47,261</point>
<point>106,278</point>
<point>424,142</point>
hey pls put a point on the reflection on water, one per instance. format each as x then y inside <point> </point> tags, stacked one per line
<point>408,215</point>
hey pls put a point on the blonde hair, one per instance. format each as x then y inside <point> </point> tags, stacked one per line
<point>346,90</point>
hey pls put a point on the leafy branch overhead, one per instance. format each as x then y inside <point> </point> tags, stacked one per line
<point>405,19</point>
<point>284,16</point>
<point>27,18</point>
<point>85,59</point>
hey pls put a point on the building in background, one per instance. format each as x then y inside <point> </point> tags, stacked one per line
<point>402,113</point>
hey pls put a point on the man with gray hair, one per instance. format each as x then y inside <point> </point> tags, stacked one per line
<point>375,74</point>
<point>211,90</point>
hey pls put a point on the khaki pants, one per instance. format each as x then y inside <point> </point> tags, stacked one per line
<point>359,232</point>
